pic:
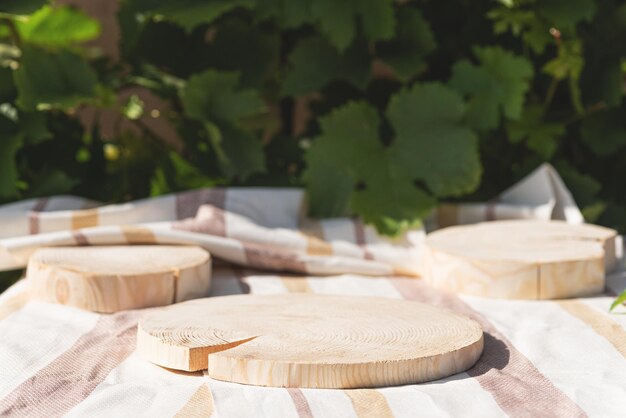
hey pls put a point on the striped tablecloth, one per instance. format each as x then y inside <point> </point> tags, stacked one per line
<point>542,358</point>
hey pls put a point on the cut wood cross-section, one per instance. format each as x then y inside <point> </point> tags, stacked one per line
<point>115,278</point>
<point>311,341</point>
<point>520,259</point>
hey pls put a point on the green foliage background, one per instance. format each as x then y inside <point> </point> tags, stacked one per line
<point>380,108</point>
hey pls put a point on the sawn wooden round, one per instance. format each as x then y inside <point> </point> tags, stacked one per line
<point>311,341</point>
<point>114,278</point>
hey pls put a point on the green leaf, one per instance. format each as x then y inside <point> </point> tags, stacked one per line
<point>21,7</point>
<point>349,153</point>
<point>432,144</point>
<point>9,145</point>
<point>216,96</point>
<point>246,48</point>
<point>414,40</point>
<point>34,127</point>
<point>566,13</point>
<point>240,153</point>
<point>315,63</point>
<point>60,79</point>
<point>58,26</point>
<point>605,132</point>
<point>191,13</point>
<point>618,301</point>
<point>52,183</point>
<point>494,88</point>
<point>289,13</point>
<point>338,20</point>
<point>540,136</point>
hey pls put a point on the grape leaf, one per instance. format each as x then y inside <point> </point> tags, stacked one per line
<point>566,13</point>
<point>216,96</point>
<point>241,153</point>
<point>432,143</point>
<point>605,132</point>
<point>315,63</point>
<point>34,127</point>
<point>540,136</point>
<point>289,13</point>
<point>176,174</point>
<point>495,88</point>
<point>349,153</point>
<point>52,79</point>
<point>406,51</point>
<point>58,26</point>
<point>338,19</point>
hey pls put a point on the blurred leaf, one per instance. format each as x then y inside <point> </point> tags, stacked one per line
<point>52,79</point>
<point>58,26</point>
<point>540,136</point>
<point>216,96</point>
<point>9,145</point>
<point>566,13</point>
<point>338,20</point>
<point>432,143</point>
<point>605,132</point>
<point>406,51</point>
<point>315,63</point>
<point>34,127</point>
<point>618,301</point>
<point>21,7</point>
<point>52,183</point>
<point>240,153</point>
<point>289,13</point>
<point>495,87</point>
<point>191,13</point>
<point>175,174</point>
<point>568,65</point>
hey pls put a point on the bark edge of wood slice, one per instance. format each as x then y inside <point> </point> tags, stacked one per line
<point>520,259</point>
<point>311,341</point>
<point>114,278</point>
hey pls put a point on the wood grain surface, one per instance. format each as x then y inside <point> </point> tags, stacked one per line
<point>114,278</point>
<point>519,259</point>
<point>311,341</point>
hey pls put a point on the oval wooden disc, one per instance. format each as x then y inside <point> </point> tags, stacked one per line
<point>311,341</point>
<point>114,278</point>
<point>519,259</point>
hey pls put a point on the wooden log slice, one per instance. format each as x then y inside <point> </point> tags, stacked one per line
<point>311,341</point>
<point>115,278</point>
<point>520,259</point>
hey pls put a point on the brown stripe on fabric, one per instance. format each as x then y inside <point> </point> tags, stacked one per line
<point>490,210</point>
<point>359,238</point>
<point>73,375</point>
<point>601,323</point>
<point>199,405</point>
<point>33,215</point>
<point>85,218</point>
<point>272,258</point>
<point>369,403</point>
<point>300,403</point>
<point>80,238</point>
<point>13,303</point>
<point>188,203</point>
<point>447,215</point>
<point>296,284</point>
<point>138,235</point>
<point>513,381</point>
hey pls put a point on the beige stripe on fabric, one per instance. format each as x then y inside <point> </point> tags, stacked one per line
<point>314,235</point>
<point>73,375</point>
<point>296,284</point>
<point>85,218</point>
<point>199,405</point>
<point>300,403</point>
<point>138,235</point>
<point>369,403</point>
<point>603,325</point>
<point>12,304</point>
<point>513,381</point>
